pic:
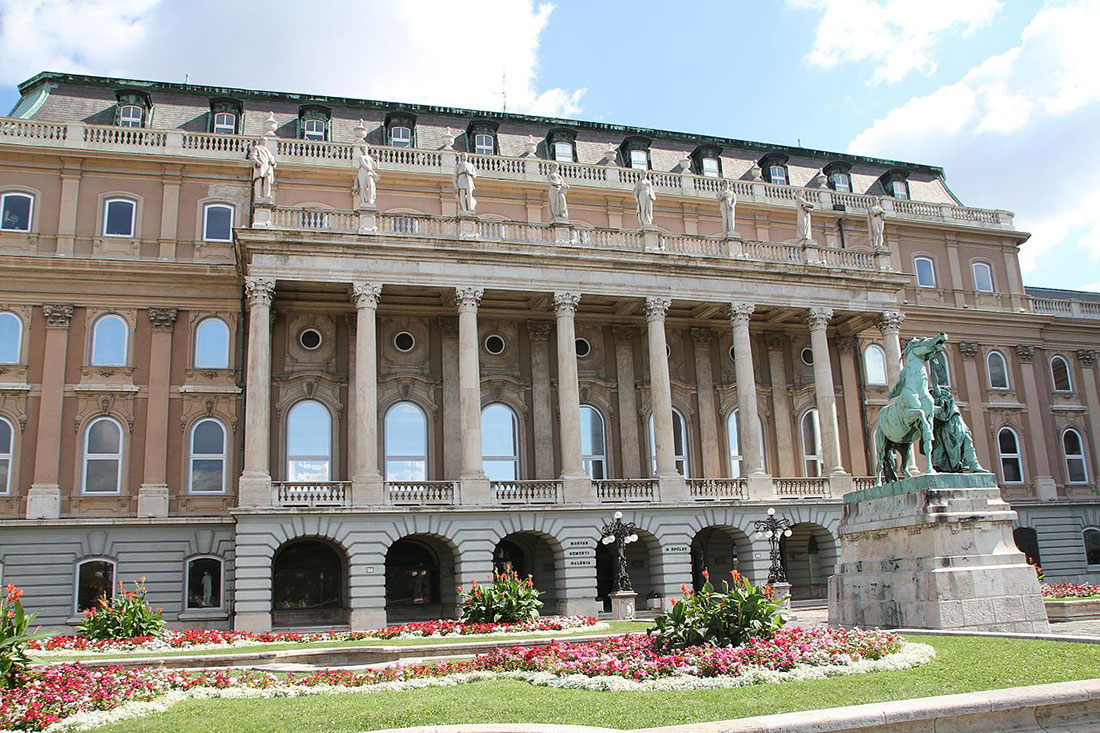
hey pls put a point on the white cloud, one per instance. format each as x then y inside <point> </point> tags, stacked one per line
<point>1018,131</point>
<point>897,36</point>
<point>430,51</point>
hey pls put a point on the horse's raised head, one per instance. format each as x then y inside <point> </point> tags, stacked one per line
<point>923,348</point>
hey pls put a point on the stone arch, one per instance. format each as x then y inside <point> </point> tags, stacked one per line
<point>809,557</point>
<point>420,578</point>
<point>309,583</point>
<point>644,565</point>
<point>538,554</point>
<point>719,549</point>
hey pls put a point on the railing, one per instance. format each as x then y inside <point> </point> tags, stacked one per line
<point>420,492</point>
<point>410,225</point>
<point>861,259</point>
<point>794,488</point>
<point>510,231</point>
<point>315,149</point>
<point>125,136</point>
<point>311,493</point>
<point>689,245</point>
<point>862,483</point>
<point>771,251</point>
<point>717,488</point>
<point>1068,308</point>
<point>314,219</point>
<point>527,492</point>
<point>216,143</point>
<point>611,490</point>
<point>32,130</point>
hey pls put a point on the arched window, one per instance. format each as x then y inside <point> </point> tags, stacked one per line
<point>16,210</point>
<point>679,443</point>
<point>1073,450</point>
<point>204,583</point>
<point>983,277</point>
<point>118,217</point>
<point>7,449</point>
<point>1008,446</point>
<point>500,443</point>
<point>1059,374</point>
<point>206,471</point>
<point>11,338</point>
<point>593,443</point>
<point>217,223</point>
<point>102,472</point>
<point>874,365</point>
<point>926,271</point>
<point>810,428</point>
<point>733,435</point>
<point>212,344</point>
<point>94,580</point>
<point>309,442</point>
<point>406,442</point>
<point>1091,536</point>
<point>997,368</point>
<point>110,335</point>
<point>945,364</point>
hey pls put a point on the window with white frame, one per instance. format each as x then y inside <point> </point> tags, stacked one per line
<point>16,211</point>
<point>983,277</point>
<point>563,152</point>
<point>406,443</point>
<point>810,430</point>
<point>926,271</point>
<point>777,174</point>
<point>102,469</point>
<point>1059,374</point>
<point>500,443</point>
<point>95,579</point>
<point>874,365</point>
<point>1073,450</point>
<point>225,123</point>
<point>733,435</point>
<point>943,364</point>
<point>11,338</point>
<point>313,129</point>
<point>679,444</point>
<point>900,189</point>
<point>110,337</point>
<point>309,442</point>
<point>840,181</point>
<point>207,467</point>
<point>7,450</point>
<point>997,370</point>
<point>484,144</point>
<point>1008,448</point>
<point>708,166</point>
<point>639,159</point>
<point>118,217</point>
<point>1091,538</point>
<point>204,576</point>
<point>131,115</point>
<point>217,223</point>
<point>212,344</point>
<point>401,136</point>
<point>593,443</point>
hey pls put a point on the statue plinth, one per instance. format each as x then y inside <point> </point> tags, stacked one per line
<point>933,552</point>
<point>368,219</point>
<point>623,605</point>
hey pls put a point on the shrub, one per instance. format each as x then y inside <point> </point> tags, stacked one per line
<point>123,617</point>
<point>724,618</point>
<point>13,637</point>
<point>507,600</point>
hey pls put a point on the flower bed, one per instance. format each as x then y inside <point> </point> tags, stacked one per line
<point>82,697</point>
<point>203,639</point>
<point>1061,591</point>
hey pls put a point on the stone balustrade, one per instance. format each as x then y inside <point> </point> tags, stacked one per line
<point>711,489</point>
<point>801,488</point>
<point>1065,308</point>
<point>421,493</point>
<point>312,494</point>
<point>626,490</point>
<point>527,492</point>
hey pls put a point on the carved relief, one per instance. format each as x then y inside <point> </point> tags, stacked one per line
<point>409,388</point>
<point>163,319</point>
<point>415,360</point>
<point>1025,352</point>
<point>1087,357</point>
<point>968,349</point>
<point>507,361</point>
<point>298,355</point>
<point>593,364</point>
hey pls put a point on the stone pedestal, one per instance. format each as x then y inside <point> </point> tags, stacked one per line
<point>933,552</point>
<point>263,213</point>
<point>623,605</point>
<point>467,226</point>
<point>153,500</point>
<point>781,592</point>
<point>367,491</point>
<point>651,239</point>
<point>44,501</point>
<point>367,619</point>
<point>368,219</point>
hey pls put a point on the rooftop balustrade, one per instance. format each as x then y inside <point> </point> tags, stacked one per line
<point>1066,308</point>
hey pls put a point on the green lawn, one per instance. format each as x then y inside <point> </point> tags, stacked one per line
<point>614,627</point>
<point>962,665</point>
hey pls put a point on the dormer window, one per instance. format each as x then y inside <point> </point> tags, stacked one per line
<point>133,109</point>
<point>635,153</point>
<point>400,128</point>
<point>482,137</point>
<point>774,168</point>
<point>838,177</point>
<point>225,116</point>
<point>561,145</point>
<point>313,122</point>
<point>706,160</point>
<point>896,183</point>
<point>900,190</point>
<point>130,115</point>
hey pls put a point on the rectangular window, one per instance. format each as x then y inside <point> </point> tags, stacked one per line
<point>983,277</point>
<point>563,152</point>
<point>483,144</point>
<point>130,115</point>
<point>118,218</point>
<point>225,123</point>
<point>313,129</point>
<point>841,183</point>
<point>217,223</point>
<point>639,159</point>
<point>926,272</point>
<point>710,167</point>
<point>778,175</point>
<point>15,212</point>
<point>900,190</point>
<point>400,137</point>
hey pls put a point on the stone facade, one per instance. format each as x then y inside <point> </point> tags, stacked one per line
<point>617,353</point>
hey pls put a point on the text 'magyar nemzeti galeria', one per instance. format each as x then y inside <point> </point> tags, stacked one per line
<point>316,361</point>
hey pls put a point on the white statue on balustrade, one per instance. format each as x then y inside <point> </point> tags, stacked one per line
<point>727,200</point>
<point>465,173</point>
<point>366,177</point>
<point>804,231</point>
<point>644,196</point>
<point>263,170</point>
<point>876,225</point>
<point>559,207</point>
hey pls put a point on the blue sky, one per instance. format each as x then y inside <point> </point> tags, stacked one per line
<point>1000,93</point>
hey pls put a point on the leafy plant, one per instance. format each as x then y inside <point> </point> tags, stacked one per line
<point>1038,570</point>
<point>722,618</point>
<point>125,616</point>
<point>14,621</point>
<point>507,600</point>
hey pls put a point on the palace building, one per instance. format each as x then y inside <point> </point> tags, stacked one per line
<point>292,386</point>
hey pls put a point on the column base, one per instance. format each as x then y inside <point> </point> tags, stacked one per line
<point>840,484</point>
<point>624,605</point>
<point>153,500</point>
<point>578,489</point>
<point>760,487</point>
<point>367,490</point>
<point>367,619</point>
<point>256,622</point>
<point>44,501</point>
<point>475,490</point>
<point>254,489</point>
<point>1046,489</point>
<point>673,487</point>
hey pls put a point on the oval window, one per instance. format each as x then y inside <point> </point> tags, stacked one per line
<point>404,342</point>
<point>808,357</point>
<point>494,344</point>
<point>309,338</point>
<point>583,348</point>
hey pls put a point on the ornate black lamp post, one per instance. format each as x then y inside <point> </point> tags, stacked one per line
<point>773,529</point>
<point>622,534</point>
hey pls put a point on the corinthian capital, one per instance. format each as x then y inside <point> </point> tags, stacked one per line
<point>468,299</point>
<point>656,308</point>
<point>566,303</point>
<point>1087,357</point>
<point>968,349</point>
<point>163,319</point>
<point>57,315</point>
<point>366,295</point>
<point>739,313</point>
<point>260,290</point>
<point>818,318</point>
<point>1025,352</point>
<point>890,322</point>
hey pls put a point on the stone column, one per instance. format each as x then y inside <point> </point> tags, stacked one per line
<point>538,332</point>
<point>153,494</point>
<point>818,321</point>
<point>452,420</point>
<point>366,481</point>
<point>975,399</point>
<point>752,451</point>
<point>1087,359</point>
<point>576,485</point>
<point>255,481</point>
<point>853,418</point>
<point>629,443</point>
<point>673,487</point>
<point>1045,488</point>
<point>44,497</point>
<point>475,484</point>
<point>889,324</point>
<point>781,404</point>
<point>711,463</point>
